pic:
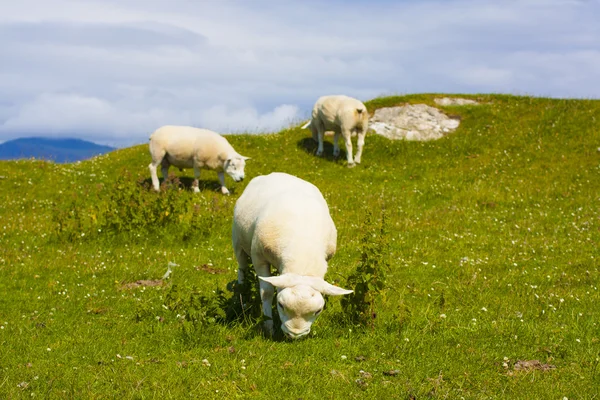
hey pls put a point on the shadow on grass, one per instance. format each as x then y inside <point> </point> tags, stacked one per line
<point>310,147</point>
<point>244,307</point>
<point>185,182</point>
<point>236,305</point>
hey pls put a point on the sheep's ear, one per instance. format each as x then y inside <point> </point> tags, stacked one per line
<point>245,158</point>
<point>320,285</point>
<point>281,281</point>
<point>331,290</point>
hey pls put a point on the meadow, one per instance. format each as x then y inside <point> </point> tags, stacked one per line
<point>488,239</point>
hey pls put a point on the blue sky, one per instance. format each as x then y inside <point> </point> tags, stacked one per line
<point>112,71</point>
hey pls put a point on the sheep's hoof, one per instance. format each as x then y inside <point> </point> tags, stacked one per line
<point>196,189</point>
<point>351,165</point>
<point>224,190</point>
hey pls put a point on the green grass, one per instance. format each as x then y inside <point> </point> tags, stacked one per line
<point>493,234</point>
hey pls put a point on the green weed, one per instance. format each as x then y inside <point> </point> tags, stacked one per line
<point>368,280</point>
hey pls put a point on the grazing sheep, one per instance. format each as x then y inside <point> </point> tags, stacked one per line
<point>344,115</point>
<point>284,222</point>
<point>187,147</point>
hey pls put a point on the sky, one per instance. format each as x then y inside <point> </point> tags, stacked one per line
<point>113,71</point>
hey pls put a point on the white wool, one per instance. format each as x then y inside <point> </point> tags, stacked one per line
<point>283,221</point>
<point>344,116</point>
<point>188,147</point>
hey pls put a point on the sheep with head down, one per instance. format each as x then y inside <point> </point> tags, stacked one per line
<point>283,222</point>
<point>189,147</point>
<point>344,116</point>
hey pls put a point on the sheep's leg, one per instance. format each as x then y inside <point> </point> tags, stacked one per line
<point>348,139</point>
<point>158,158</point>
<point>242,260</point>
<point>196,179</point>
<point>360,144</point>
<point>315,131</point>
<point>165,168</point>
<point>154,176</point>
<point>336,144</point>
<point>221,175</point>
<point>321,136</point>
<point>267,291</point>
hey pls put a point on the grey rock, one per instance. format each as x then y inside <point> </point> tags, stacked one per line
<point>412,122</point>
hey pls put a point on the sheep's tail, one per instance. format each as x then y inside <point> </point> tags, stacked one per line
<point>361,113</point>
<point>306,125</point>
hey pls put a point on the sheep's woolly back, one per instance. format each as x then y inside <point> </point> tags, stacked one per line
<point>339,110</point>
<point>184,143</point>
<point>285,221</point>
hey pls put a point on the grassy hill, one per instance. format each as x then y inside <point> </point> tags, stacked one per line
<point>491,234</point>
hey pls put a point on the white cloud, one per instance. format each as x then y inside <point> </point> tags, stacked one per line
<point>96,119</point>
<point>222,119</point>
<point>112,71</point>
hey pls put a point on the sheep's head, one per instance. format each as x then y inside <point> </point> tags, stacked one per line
<point>300,301</point>
<point>234,167</point>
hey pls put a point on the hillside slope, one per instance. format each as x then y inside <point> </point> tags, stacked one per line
<point>492,235</point>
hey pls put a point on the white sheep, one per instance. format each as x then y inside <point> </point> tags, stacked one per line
<point>283,221</point>
<point>343,115</point>
<point>187,147</point>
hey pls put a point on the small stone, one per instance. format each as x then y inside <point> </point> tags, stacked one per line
<point>365,374</point>
<point>361,383</point>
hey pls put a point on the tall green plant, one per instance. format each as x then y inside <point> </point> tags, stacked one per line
<point>369,278</point>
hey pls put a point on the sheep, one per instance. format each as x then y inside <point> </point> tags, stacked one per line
<point>188,147</point>
<point>344,115</point>
<point>283,221</point>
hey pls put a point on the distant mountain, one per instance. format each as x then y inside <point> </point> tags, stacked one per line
<point>57,150</point>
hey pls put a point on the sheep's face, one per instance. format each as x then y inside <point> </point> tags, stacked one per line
<point>234,167</point>
<point>300,300</point>
<point>298,307</point>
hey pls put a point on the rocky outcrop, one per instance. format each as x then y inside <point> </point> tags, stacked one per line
<point>412,122</point>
